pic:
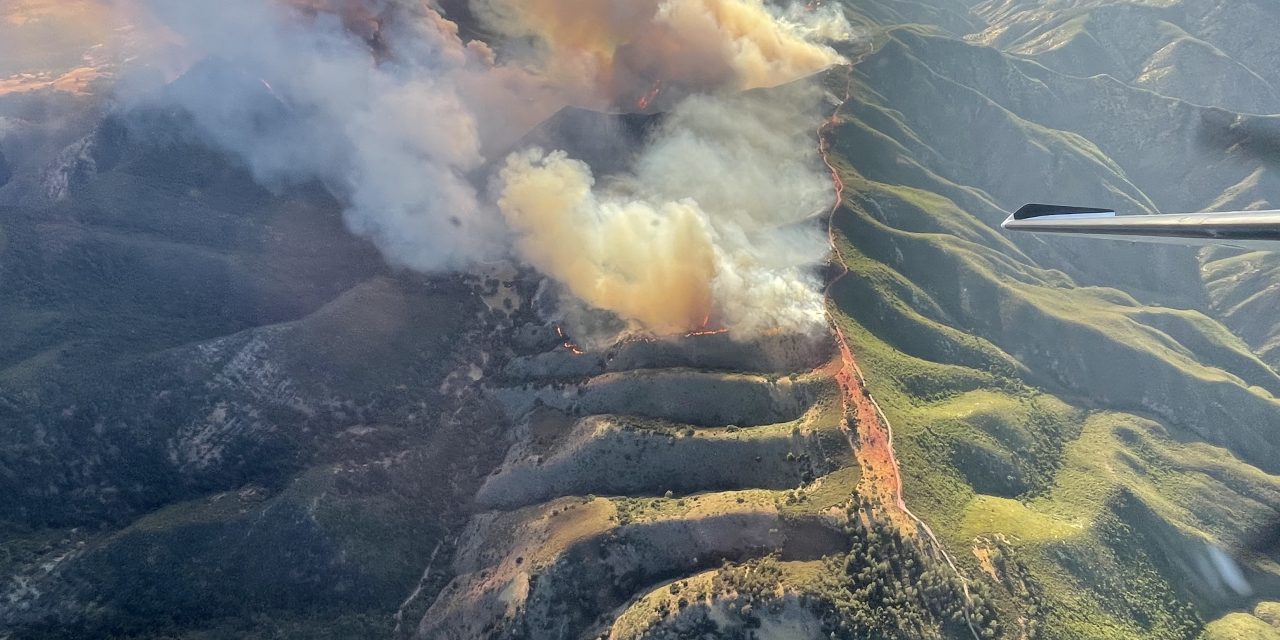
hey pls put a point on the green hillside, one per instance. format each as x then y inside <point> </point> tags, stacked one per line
<point>1076,420</point>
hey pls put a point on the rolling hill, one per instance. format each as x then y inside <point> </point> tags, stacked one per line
<point>223,415</point>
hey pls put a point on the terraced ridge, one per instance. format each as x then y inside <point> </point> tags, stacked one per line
<point>654,462</point>
<point>694,486</point>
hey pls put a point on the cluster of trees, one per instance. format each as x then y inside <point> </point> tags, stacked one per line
<point>754,581</point>
<point>887,587</point>
<point>1042,450</point>
<point>1017,579</point>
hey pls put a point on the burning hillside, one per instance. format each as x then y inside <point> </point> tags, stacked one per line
<point>708,226</point>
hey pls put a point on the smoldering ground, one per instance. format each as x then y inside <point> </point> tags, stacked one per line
<point>710,223</point>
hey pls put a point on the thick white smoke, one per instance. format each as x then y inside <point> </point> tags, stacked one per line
<point>394,138</point>
<point>385,103</point>
<point>709,229</point>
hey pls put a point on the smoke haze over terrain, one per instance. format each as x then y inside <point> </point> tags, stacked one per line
<point>607,52</point>
<point>707,227</point>
<point>226,415</point>
<point>388,106</point>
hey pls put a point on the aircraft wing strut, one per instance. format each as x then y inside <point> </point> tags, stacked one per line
<point>1240,228</point>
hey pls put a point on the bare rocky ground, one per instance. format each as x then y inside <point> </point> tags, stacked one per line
<point>699,466</point>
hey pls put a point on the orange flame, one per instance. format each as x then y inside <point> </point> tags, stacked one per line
<point>576,350</point>
<point>705,330</point>
<point>568,344</point>
<point>648,98</point>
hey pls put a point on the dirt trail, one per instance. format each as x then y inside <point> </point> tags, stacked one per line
<point>881,474</point>
<point>881,478</point>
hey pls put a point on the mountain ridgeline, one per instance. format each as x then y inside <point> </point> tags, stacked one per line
<point>1094,525</point>
<point>222,415</point>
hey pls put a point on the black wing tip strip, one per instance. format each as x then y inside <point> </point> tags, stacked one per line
<point>1030,211</point>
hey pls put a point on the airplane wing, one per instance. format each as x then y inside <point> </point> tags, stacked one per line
<point>1236,228</point>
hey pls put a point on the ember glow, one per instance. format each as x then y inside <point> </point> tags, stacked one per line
<point>647,99</point>
<point>705,332</point>
<point>568,344</point>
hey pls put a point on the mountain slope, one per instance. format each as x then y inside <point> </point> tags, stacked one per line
<point>1086,477</point>
<point>226,417</point>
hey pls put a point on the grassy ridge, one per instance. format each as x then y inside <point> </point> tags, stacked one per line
<point>1074,445</point>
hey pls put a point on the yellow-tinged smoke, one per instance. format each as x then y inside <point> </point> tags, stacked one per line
<point>714,222</point>
<point>388,103</point>
<point>653,264</point>
<point>615,51</point>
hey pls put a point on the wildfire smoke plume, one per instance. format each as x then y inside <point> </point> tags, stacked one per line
<point>710,223</point>
<point>397,113</point>
<point>613,52</point>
